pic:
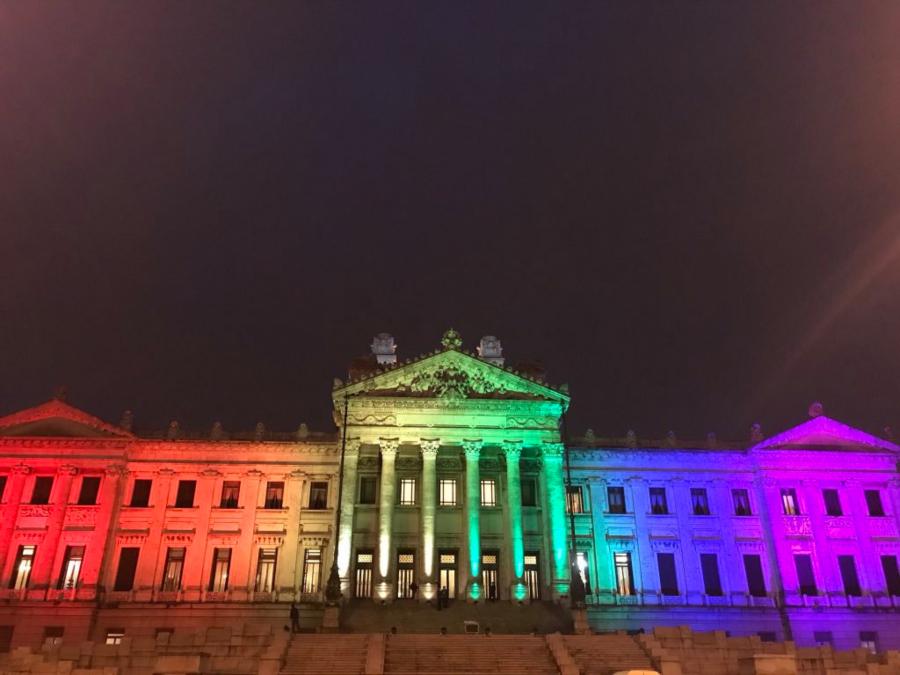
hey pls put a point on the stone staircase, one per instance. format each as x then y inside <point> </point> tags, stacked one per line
<point>409,616</point>
<point>316,653</point>
<point>607,653</point>
<point>464,654</point>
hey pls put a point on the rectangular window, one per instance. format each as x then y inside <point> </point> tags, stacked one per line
<point>658,503</point>
<point>584,568</point>
<point>668,580</point>
<point>2,486</point>
<point>789,502</point>
<point>231,493</point>
<point>849,576</point>
<point>574,499</point>
<point>407,491</point>
<point>265,570</point>
<point>741,499</point>
<point>488,492</point>
<point>805,577</point>
<point>873,501</point>
<point>90,488</point>
<point>529,492</point>
<point>128,560</point>
<point>624,575</point>
<point>712,584</point>
<point>221,564</point>
<point>184,498</point>
<point>140,493</point>
<point>114,636</point>
<point>274,495</point>
<point>368,489</point>
<point>448,491</point>
<point>868,639</point>
<point>700,501</point>
<point>22,569</point>
<point>312,570</point>
<point>756,582</point>
<point>616,498</point>
<point>318,495</point>
<point>42,487</point>
<point>71,568</point>
<point>891,574</point>
<point>832,502</point>
<point>173,569</point>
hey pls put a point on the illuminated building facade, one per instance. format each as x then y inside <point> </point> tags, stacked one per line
<point>454,477</point>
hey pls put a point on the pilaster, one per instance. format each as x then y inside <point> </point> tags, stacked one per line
<point>472,449</point>
<point>385,587</point>
<point>429,449</point>
<point>10,512</point>
<point>513,452</point>
<point>46,554</point>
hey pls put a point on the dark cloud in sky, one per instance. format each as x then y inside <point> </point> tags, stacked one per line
<point>208,208</point>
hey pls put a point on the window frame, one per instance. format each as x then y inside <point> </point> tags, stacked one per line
<point>491,485</point>
<point>407,492</point>
<point>364,480</point>
<point>619,491</point>
<point>737,496</point>
<point>89,496</point>
<point>316,488</point>
<point>445,482</point>
<point>790,502</point>
<point>274,495</point>
<point>659,501</point>
<point>230,497</point>
<point>575,503</point>
<point>186,487</point>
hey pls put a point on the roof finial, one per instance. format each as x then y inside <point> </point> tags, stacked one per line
<point>60,392</point>
<point>451,340</point>
<point>816,409</point>
<point>756,434</point>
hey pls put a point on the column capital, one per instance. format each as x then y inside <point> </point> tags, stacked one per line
<point>552,450</point>
<point>472,448</point>
<point>67,470</point>
<point>429,447</point>
<point>389,446</point>
<point>512,450</point>
<point>352,445</point>
<point>116,470</point>
<point>22,469</point>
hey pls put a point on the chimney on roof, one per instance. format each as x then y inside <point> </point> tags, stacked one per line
<point>259,433</point>
<point>631,439</point>
<point>60,392</point>
<point>127,420</point>
<point>711,440</point>
<point>671,440</point>
<point>384,349</point>
<point>816,409</point>
<point>756,434</point>
<point>217,433</point>
<point>490,350</point>
<point>172,432</point>
<point>889,434</point>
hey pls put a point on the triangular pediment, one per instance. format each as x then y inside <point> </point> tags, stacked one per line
<point>451,374</point>
<point>824,433</point>
<point>56,418</point>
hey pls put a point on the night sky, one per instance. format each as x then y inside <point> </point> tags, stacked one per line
<point>690,212</point>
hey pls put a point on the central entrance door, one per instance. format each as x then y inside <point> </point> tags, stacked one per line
<point>490,565</point>
<point>406,573</point>
<point>447,572</point>
<point>362,587</point>
<point>532,575</point>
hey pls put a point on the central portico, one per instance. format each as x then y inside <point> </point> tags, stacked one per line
<point>453,477</point>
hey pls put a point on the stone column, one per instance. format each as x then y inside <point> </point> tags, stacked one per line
<point>473,518</point>
<point>43,566</point>
<point>513,452</point>
<point>556,504</point>
<point>428,507</point>
<point>345,527</point>
<point>385,586</point>
<point>10,513</point>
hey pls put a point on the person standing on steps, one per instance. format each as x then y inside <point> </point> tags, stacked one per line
<point>295,618</point>
<point>413,589</point>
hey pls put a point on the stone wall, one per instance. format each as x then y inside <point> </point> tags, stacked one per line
<point>242,650</point>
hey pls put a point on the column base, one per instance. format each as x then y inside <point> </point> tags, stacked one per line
<point>518,592</point>
<point>384,592</point>
<point>474,591</point>
<point>428,591</point>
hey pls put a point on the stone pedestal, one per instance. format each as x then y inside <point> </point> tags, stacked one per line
<point>331,619</point>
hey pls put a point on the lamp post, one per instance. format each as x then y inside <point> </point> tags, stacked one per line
<point>333,587</point>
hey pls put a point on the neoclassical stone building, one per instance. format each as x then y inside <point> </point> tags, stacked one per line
<point>447,472</point>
